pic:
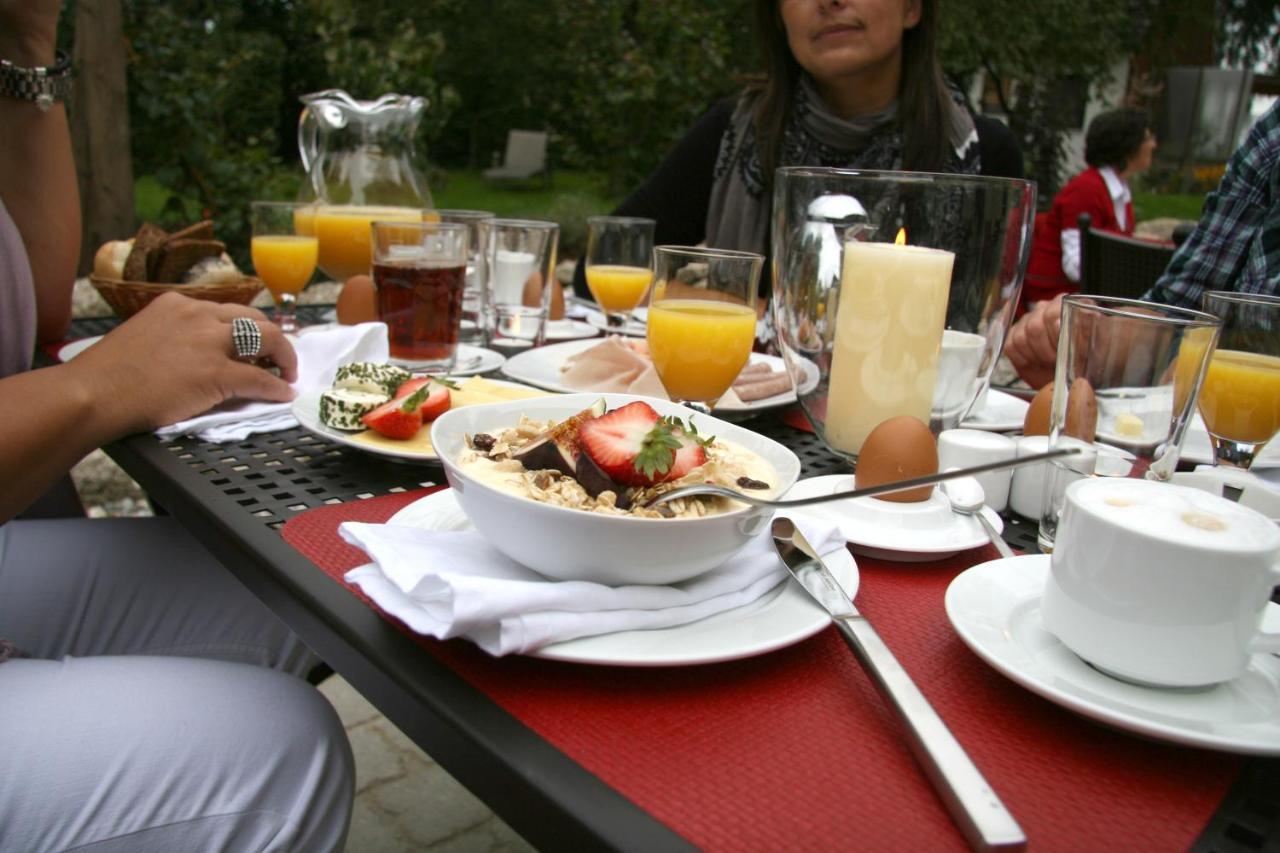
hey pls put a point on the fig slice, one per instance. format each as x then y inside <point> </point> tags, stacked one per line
<point>557,448</point>
<point>594,480</point>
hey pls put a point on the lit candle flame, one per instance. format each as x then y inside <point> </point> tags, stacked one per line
<point>901,239</point>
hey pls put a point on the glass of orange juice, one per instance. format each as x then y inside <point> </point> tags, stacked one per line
<point>702,320</point>
<point>618,266</point>
<point>284,254</point>
<point>1240,395</point>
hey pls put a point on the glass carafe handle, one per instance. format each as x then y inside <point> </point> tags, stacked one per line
<point>308,140</point>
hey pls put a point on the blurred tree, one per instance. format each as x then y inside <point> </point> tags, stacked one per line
<point>1249,34</point>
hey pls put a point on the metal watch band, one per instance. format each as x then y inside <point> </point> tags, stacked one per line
<point>42,86</point>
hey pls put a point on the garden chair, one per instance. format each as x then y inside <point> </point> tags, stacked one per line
<point>525,157</point>
<point>1114,265</point>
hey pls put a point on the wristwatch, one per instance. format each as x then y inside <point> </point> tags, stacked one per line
<point>42,86</point>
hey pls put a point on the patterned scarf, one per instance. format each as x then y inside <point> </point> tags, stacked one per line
<point>738,216</point>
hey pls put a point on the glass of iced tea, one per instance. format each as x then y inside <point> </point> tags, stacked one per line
<point>419,274</point>
<point>284,257</point>
<point>1240,396</point>
<point>702,320</point>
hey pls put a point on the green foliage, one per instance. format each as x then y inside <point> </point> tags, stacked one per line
<point>1037,53</point>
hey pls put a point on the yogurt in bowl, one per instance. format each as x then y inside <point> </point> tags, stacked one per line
<point>553,531</point>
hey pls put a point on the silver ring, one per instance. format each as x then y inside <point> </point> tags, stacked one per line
<point>246,337</point>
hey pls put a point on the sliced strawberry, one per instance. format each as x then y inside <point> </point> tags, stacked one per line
<point>400,418</point>
<point>690,455</point>
<point>438,399</point>
<point>635,447</point>
<point>614,441</point>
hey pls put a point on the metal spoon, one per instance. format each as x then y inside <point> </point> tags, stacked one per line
<point>884,489</point>
<point>967,498</point>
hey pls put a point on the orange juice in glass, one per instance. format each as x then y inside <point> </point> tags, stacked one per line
<point>1240,395</point>
<point>618,289</point>
<point>702,320</point>
<point>282,257</point>
<point>344,234</point>
<point>618,264</point>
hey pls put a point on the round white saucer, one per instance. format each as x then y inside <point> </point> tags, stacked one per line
<point>904,533</point>
<point>995,608</point>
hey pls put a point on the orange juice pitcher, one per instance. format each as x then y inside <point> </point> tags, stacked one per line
<point>363,165</point>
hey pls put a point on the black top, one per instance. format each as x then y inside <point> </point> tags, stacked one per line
<point>678,193</point>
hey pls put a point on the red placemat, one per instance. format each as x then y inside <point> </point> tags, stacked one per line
<point>795,749</point>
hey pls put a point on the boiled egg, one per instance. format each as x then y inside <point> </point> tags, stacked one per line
<point>357,302</point>
<point>900,448</point>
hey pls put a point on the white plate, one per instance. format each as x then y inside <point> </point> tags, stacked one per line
<point>306,408</point>
<point>781,617</point>
<point>995,608</point>
<point>1002,412</point>
<point>472,360</point>
<point>73,349</point>
<point>540,367</point>
<point>904,533</point>
<point>568,330</point>
<point>1196,447</point>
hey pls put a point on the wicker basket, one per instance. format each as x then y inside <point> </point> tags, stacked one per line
<point>127,298</point>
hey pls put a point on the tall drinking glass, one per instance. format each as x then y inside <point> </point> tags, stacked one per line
<point>619,264</point>
<point>893,292</point>
<point>472,330</point>
<point>1240,397</point>
<point>283,256</point>
<point>702,320</point>
<point>419,271</point>
<point>1124,391</point>
<point>519,262</point>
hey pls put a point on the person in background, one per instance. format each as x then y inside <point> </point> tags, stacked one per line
<point>147,700</point>
<point>850,84</point>
<point>1118,145</point>
<point>1235,246</point>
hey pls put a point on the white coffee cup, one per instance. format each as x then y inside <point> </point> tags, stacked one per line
<point>1026,490</point>
<point>962,448</point>
<point>1161,584</point>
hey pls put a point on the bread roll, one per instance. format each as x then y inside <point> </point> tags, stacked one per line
<point>109,260</point>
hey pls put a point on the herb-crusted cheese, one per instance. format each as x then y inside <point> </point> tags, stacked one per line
<point>342,408</point>
<point>371,377</point>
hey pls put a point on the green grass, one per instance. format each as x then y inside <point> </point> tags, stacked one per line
<point>1158,206</point>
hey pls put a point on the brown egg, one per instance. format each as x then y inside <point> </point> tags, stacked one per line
<point>1082,410</point>
<point>900,448</point>
<point>357,302</point>
<point>532,296</point>
<point>1037,419</point>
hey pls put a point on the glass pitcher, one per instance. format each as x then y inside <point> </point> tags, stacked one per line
<point>361,165</point>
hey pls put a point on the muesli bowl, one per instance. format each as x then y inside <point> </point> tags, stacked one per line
<point>567,543</point>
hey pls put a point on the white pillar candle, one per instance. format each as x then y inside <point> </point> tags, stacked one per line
<point>893,306</point>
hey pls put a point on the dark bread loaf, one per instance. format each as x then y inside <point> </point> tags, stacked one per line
<point>149,238</point>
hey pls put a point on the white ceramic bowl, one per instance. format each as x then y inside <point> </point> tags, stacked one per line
<point>570,544</point>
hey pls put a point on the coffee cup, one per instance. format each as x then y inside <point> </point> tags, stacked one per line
<point>964,448</point>
<point>1161,584</point>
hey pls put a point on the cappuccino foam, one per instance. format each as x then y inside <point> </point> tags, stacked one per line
<point>1177,514</point>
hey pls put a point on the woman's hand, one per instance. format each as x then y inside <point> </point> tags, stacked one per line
<point>175,359</point>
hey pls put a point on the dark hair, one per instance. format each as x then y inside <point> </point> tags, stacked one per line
<point>923,100</point>
<point>1115,136</point>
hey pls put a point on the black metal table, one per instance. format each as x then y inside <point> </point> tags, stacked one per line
<point>235,497</point>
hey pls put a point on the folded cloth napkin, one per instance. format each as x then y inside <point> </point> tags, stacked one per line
<point>448,584</point>
<point>618,366</point>
<point>319,354</point>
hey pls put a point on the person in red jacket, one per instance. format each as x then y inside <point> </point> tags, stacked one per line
<point>1117,146</point>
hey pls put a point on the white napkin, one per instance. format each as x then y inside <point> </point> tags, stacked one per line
<point>320,353</point>
<point>455,584</point>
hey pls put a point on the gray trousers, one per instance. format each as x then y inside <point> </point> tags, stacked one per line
<point>154,711</point>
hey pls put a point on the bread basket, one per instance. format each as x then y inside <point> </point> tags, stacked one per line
<point>127,298</point>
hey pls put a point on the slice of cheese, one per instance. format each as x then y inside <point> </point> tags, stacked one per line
<point>471,392</point>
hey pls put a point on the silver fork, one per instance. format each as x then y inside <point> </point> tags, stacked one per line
<point>884,489</point>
